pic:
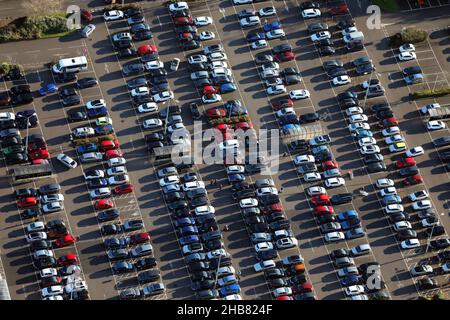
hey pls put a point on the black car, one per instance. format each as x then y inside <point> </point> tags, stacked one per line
<point>266,255</point>
<point>406,234</point>
<point>27,192</point>
<point>399,216</point>
<point>336,72</point>
<point>372,158</point>
<point>180,13</point>
<point>176,205</point>
<point>145,263</point>
<point>183,29</point>
<point>346,23</point>
<point>133,68</point>
<point>20,89</point>
<point>317,27</point>
<point>173,196</point>
<point>130,294</point>
<point>122,267</point>
<point>23,98</point>
<point>110,229</point>
<point>427,283</point>
<point>47,262</point>
<point>14,73</point>
<point>136,82</point>
<point>77,115</point>
<point>326,50</point>
<point>348,103</point>
<point>374,91</point>
<point>309,117</point>
<point>309,5</point>
<point>67,77</point>
<point>142,35</point>
<point>326,218</point>
<point>190,45</point>
<point>157,73</point>
<point>341,198</point>
<point>139,28</point>
<point>274,273</point>
<point>262,58</point>
<point>281,48</point>
<point>365,69</point>
<point>108,215</point>
<point>127,53</point>
<point>380,107</point>
<point>440,244</point>
<point>436,231</point>
<point>49,188</point>
<point>131,12</point>
<point>86,82</point>
<point>409,171</point>
<point>149,276</point>
<point>332,64</point>
<point>409,71</point>
<point>442,141</point>
<point>354,46</point>
<point>139,18</point>
<point>40,245</point>
<point>203,285</point>
<point>30,213</point>
<point>122,44</point>
<point>158,80</point>
<point>291,79</point>
<point>376,167</point>
<point>71,100</point>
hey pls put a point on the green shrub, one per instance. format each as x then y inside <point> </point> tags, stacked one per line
<point>122,7</point>
<point>430,93</point>
<point>408,35</point>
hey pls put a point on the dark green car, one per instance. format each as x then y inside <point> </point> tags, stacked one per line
<point>13,149</point>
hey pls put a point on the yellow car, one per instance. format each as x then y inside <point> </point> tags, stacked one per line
<point>103,121</point>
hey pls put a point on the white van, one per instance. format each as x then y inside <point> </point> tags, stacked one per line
<point>354,36</point>
<point>70,65</point>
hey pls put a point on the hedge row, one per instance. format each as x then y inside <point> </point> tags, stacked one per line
<point>430,93</point>
<point>232,120</point>
<point>408,35</point>
<point>27,28</point>
<point>122,7</point>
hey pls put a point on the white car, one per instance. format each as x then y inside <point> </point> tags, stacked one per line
<point>66,160</point>
<point>148,107</point>
<point>358,118</point>
<point>283,291</point>
<point>407,47</point>
<point>286,243</point>
<point>206,35</point>
<point>139,92</point>
<point>35,227</point>
<point>425,108</point>
<point>445,267</point>
<point>217,64</point>
<point>387,192</point>
<point>311,13</point>
<point>216,254</point>
<point>414,152</point>
<point>322,35</point>
<point>178,6</point>
<point>384,183</point>
<point>402,225</point>
<point>264,265</point>
<point>410,244</point>
<point>113,15</point>
<point>436,125</point>
<point>285,111</point>
<point>175,127</point>
<point>163,96</point>
<point>418,195</point>
<point>48,272</point>
<point>272,65</point>
<point>273,82</point>
<point>360,250</point>
<point>52,291</point>
<point>235,169</point>
<point>94,174</point>
<point>248,203</point>
<point>299,94</point>
<point>358,126</point>
<point>83,132</point>
<point>407,56</point>
<point>360,297</point>
<point>354,290</point>
<point>229,144</point>
<point>429,222</point>
<point>154,65</point>
<point>217,56</point>
<point>114,171</point>
<point>193,185</point>
<point>52,207</point>
<point>393,208</point>
<point>394,139</point>
<point>341,80</point>
<point>366,84</point>
<point>275,34</point>
<point>349,30</point>
<point>312,176</point>
<point>263,246</point>
<point>270,73</point>
<point>96,104</point>
<point>259,44</point>
<point>217,72</point>
<point>315,191</point>
<point>249,21</point>
<point>39,254</point>
<point>267,12</point>
<point>370,149</point>
<point>119,161</point>
<point>152,123</point>
<point>304,158</point>
<point>34,236</point>
<point>367,141</point>
<point>391,131</point>
<point>334,236</point>
<point>122,36</point>
<point>197,58</point>
<point>353,111</point>
<point>169,180</point>
<point>421,205</point>
<point>47,198</point>
<point>274,90</point>
<point>233,297</point>
<point>334,182</point>
<point>421,270</point>
<point>202,21</point>
<point>100,193</point>
<point>204,210</point>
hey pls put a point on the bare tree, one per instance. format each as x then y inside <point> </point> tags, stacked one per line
<point>41,7</point>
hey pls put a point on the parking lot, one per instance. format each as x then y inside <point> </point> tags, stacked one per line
<point>147,202</point>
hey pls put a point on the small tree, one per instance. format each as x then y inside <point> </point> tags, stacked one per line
<point>40,7</point>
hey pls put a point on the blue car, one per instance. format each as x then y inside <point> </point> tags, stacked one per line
<point>351,223</point>
<point>230,289</point>
<point>288,119</point>
<point>97,183</point>
<point>236,177</point>
<point>351,280</point>
<point>414,78</point>
<point>290,127</point>
<point>187,231</point>
<point>50,88</point>
<point>363,134</point>
<point>97,113</point>
<point>391,199</point>
<point>271,26</point>
<point>108,129</point>
<point>188,240</point>
<point>227,87</point>
<point>346,215</point>
<point>184,222</point>
<point>255,36</point>
<point>89,147</point>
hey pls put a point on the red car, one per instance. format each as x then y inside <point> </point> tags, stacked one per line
<point>285,298</point>
<point>301,288</point>
<point>223,127</point>
<point>139,238</point>
<point>276,207</point>
<point>103,204</point>
<point>27,202</point>
<point>65,241</point>
<point>123,188</point>
<point>243,125</point>
<point>405,162</point>
<point>320,210</point>
<point>109,144</point>
<point>341,9</point>
<point>210,90</point>
<point>39,154</point>
<point>183,21</point>
<point>330,164</point>
<point>284,56</point>
<point>86,15</point>
<point>320,200</point>
<point>146,49</point>
<point>113,153</point>
<point>282,104</point>
<point>39,161</point>
<point>416,179</point>
<point>390,122</point>
<point>67,260</point>
<point>215,113</point>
